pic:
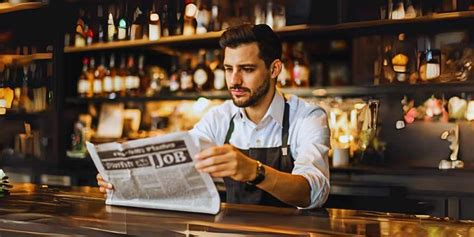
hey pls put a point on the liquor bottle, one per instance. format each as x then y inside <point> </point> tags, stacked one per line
<point>123,22</point>
<point>89,29</point>
<point>121,87</point>
<point>186,77</point>
<point>284,79</point>
<point>98,78</point>
<point>402,53</point>
<point>165,27</point>
<point>83,84</point>
<point>300,67</point>
<point>111,30</point>
<point>215,23</point>
<point>132,81</point>
<point>219,72</point>
<point>143,78</point>
<point>269,14</point>
<point>154,31</point>
<point>279,14</point>
<point>100,28</point>
<point>136,30</point>
<point>174,79</point>
<point>108,82</point>
<point>91,77</point>
<point>80,34</point>
<point>203,18</point>
<point>3,99</point>
<point>190,12</point>
<point>203,76</point>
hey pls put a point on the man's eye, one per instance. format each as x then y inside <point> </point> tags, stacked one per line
<point>248,69</point>
<point>228,69</point>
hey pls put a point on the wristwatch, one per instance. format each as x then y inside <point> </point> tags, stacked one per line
<point>260,175</point>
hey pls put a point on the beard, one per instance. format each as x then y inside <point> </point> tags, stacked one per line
<point>255,97</point>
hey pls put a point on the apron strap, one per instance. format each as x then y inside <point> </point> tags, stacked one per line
<point>230,130</point>
<point>285,131</point>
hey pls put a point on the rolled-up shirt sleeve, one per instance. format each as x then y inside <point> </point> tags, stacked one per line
<point>311,155</point>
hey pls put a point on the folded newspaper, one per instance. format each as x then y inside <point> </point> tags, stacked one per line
<point>156,172</point>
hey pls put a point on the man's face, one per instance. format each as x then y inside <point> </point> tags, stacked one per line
<point>247,77</point>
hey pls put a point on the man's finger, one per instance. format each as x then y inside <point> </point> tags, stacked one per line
<point>222,174</point>
<point>212,151</point>
<point>215,168</point>
<point>99,177</point>
<point>210,161</point>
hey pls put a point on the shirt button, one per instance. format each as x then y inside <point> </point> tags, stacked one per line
<point>258,142</point>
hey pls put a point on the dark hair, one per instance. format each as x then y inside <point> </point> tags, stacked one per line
<point>268,42</point>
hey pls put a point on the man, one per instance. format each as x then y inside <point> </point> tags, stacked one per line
<point>269,150</point>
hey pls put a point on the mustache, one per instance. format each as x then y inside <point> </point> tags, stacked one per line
<point>237,87</point>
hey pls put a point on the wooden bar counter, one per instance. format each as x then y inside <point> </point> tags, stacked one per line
<point>33,210</point>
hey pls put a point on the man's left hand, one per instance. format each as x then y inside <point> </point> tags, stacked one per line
<point>226,161</point>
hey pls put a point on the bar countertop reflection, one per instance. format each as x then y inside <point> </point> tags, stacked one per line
<point>33,210</point>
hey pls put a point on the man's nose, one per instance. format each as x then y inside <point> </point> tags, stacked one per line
<point>236,78</point>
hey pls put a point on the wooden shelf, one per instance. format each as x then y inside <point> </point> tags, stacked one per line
<point>288,31</point>
<point>22,59</point>
<point>6,7</point>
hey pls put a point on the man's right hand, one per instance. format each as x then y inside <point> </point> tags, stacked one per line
<point>103,185</point>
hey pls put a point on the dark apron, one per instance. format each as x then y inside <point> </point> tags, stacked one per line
<point>276,157</point>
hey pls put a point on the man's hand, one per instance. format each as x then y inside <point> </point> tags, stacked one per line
<point>103,185</point>
<point>226,161</point>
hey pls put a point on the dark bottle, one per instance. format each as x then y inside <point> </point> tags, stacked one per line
<point>108,81</point>
<point>165,27</point>
<point>80,31</point>
<point>215,23</point>
<point>186,77</point>
<point>285,79</point>
<point>189,22</point>
<point>143,78</point>
<point>122,74</point>
<point>203,76</point>
<point>219,72</point>
<point>132,81</point>
<point>83,85</point>
<point>136,30</point>
<point>174,79</point>
<point>100,21</point>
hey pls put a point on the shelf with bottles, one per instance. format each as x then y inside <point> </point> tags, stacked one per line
<point>25,84</point>
<point>8,7</point>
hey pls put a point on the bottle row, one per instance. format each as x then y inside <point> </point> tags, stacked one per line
<point>409,59</point>
<point>26,87</point>
<point>406,9</point>
<point>133,20</point>
<point>198,71</point>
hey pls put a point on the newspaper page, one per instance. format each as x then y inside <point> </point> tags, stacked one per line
<point>156,172</point>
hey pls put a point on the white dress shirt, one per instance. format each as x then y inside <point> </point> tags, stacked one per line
<point>308,137</point>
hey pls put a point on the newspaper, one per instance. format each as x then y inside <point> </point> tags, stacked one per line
<point>156,172</point>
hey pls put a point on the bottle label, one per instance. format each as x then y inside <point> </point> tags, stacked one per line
<point>154,31</point>
<point>136,82</point>
<point>200,77</point>
<point>97,86</point>
<point>108,84</point>
<point>129,82</point>
<point>219,79</point>
<point>83,86</point>
<point>110,32</point>
<point>118,85</point>
<point>174,83</point>
<point>122,33</point>
<point>186,81</point>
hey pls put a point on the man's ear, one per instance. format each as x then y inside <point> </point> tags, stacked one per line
<point>275,68</point>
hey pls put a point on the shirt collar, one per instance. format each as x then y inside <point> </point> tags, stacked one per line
<point>275,111</point>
